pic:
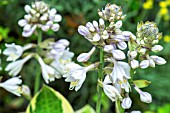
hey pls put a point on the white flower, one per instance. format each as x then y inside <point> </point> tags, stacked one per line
<point>122,45</point>
<point>83,57</point>
<point>144,96</point>
<point>134,64</point>
<point>76,74</point>
<point>15,51</point>
<point>132,54</point>
<point>126,103</point>
<point>48,72</point>
<point>40,16</point>
<point>15,67</point>
<point>120,70</point>
<point>144,64</point>
<point>136,112</point>
<point>12,85</point>
<point>84,31</point>
<point>158,60</point>
<point>25,90</point>
<point>156,48</point>
<point>110,90</point>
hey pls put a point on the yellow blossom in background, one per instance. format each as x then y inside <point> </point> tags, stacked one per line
<point>167,38</point>
<point>164,9</point>
<point>148,4</point>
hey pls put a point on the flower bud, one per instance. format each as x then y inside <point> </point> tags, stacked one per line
<point>142,50</point>
<point>126,33</point>
<point>27,8</point>
<point>156,48</point>
<point>22,22</point>
<point>45,28</point>
<point>118,24</point>
<point>101,23</point>
<point>57,18</point>
<point>118,54</point>
<point>145,97</point>
<point>85,56</point>
<point>158,60</point>
<point>122,45</point>
<point>134,64</point>
<point>108,48</point>
<point>96,37</point>
<point>133,54</point>
<point>105,35</point>
<point>25,90</point>
<point>55,27</point>
<point>151,63</point>
<point>126,103</point>
<point>144,64</point>
<point>83,31</point>
<point>95,24</point>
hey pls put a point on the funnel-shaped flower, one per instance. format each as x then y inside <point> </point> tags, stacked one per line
<point>48,72</point>
<point>15,51</point>
<point>15,67</point>
<point>12,85</point>
<point>110,90</point>
<point>77,74</point>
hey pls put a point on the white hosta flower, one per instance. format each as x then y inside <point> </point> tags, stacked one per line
<point>126,103</point>
<point>83,57</point>
<point>76,74</point>
<point>158,60</point>
<point>110,90</point>
<point>48,72</point>
<point>156,48</point>
<point>12,85</point>
<point>144,96</point>
<point>118,24</point>
<point>144,64</point>
<point>15,51</point>
<point>15,67</point>
<point>39,15</point>
<point>134,64</point>
<point>120,70</point>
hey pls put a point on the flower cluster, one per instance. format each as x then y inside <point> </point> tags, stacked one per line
<point>52,56</point>
<point>145,42</point>
<point>39,16</point>
<point>114,41</point>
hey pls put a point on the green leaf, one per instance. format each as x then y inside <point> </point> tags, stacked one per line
<point>141,83</point>
<point>49,101</point>
<point>86,109</point>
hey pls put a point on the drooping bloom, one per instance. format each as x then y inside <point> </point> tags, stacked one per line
<point>15,51</point>
<point>12,85</point>
<point>49,73</point>
<point>15,67</point>
<point>39,16</point>
<point>110,90</point>
<point>76,74</point>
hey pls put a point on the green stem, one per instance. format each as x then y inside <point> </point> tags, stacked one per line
<point>118,107</point>
<point>100,77</point>
<point>38,70</point>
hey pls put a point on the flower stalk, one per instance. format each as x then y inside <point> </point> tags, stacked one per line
<point>118,107</point>
<point>100,77</point>
<point>38,70</point>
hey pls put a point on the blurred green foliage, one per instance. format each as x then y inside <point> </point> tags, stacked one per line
<point>75,13</point>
